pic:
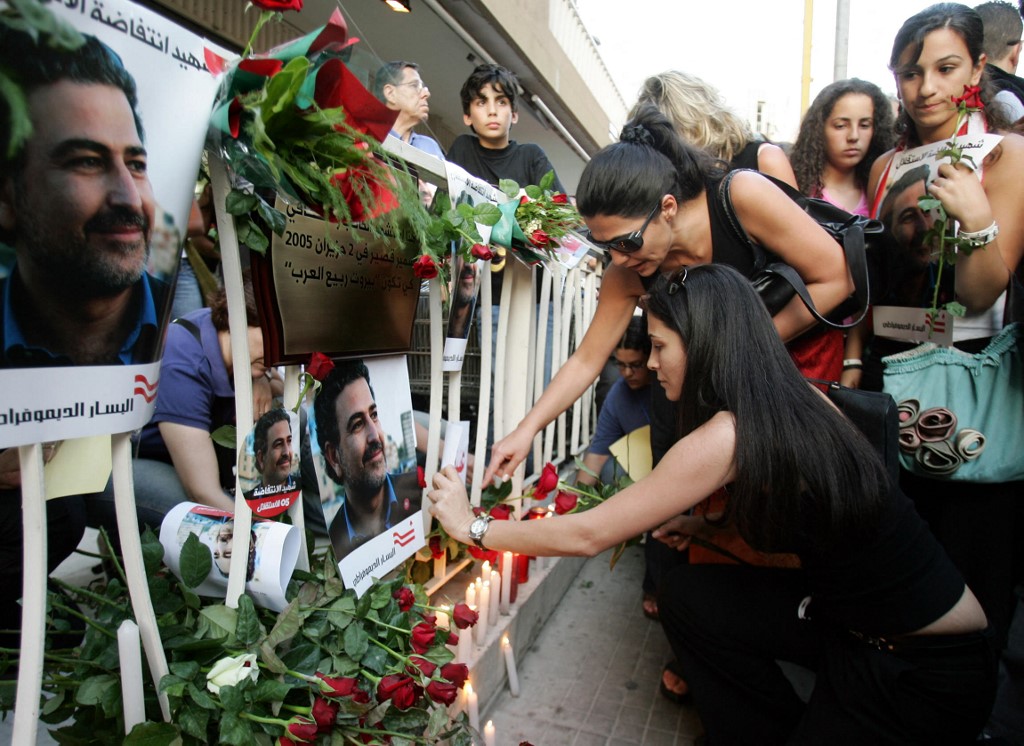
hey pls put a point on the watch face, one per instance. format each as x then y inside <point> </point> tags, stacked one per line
<point>477,527</point>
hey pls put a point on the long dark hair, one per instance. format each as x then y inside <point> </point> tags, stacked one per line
<point>809,152</point>
<point>803,471</point>
<point>628,177</point>
<point>967,24</point>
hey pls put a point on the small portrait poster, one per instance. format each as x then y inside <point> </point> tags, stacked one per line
<point>273,551</point>
<point>366,448</point>
<point>93,206</point>
<point>268,467</point>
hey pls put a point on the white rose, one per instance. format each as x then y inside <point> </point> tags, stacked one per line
<point>230,671</point>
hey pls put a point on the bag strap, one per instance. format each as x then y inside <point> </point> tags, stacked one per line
<point>853,244</point>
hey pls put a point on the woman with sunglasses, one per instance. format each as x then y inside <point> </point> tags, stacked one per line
<point>652,201</point>
<point>900,645</point>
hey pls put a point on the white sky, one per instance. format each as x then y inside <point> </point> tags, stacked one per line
<point>750,50</point>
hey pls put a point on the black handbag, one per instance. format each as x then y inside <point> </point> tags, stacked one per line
<point>776,282</point>
<point>874,413</point>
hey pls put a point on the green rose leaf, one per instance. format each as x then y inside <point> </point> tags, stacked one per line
<point>92,690</point>
<point>235,731</point>
<point>340,612</point>
<point>534,192</point>
<point>196,561</point>
<point>225,435</point>
<point>271,690</point>
<point>173,685</point>
<point>53,703</point>
<point>153,734</point>
<point>202,697</point>
<point>356,641</point>
<point>232,698</point>
<point>547,181</point>
<point>222,619</point>
<point>240,203</point>
<point>928,203</point>
<point>194,720</point>
<point>376,660</point>
<point>955,309</point>
<point>152,552</point>
<point>508,187</point>
<point>486,214</point>
<point>248,629</point>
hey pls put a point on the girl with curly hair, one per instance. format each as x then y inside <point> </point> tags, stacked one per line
<point>849,124</point>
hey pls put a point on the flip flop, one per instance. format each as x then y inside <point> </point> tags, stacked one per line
<point>650,607</point>
<point>680,699</point>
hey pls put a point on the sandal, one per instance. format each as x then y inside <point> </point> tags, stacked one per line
<point>649,605</point>
<point>679,698</point>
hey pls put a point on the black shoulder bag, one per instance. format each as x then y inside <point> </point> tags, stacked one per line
<point>777,282</point>
<point>874,413</point>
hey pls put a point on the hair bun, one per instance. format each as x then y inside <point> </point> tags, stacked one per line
<point>637,134</point>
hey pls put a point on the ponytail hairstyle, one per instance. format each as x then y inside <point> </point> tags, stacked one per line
<point>967,24</point>
<point>804,473</point>
<point>809,154</point>
<point>649,161</point>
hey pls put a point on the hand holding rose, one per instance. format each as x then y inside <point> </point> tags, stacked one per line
<point>451,504</point>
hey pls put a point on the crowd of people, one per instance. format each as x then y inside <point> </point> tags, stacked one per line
<point>899,595</point>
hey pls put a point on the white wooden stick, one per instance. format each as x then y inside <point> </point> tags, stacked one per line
<point>481,455</point>
<point>134,569</point>
<point>33,594</point>
<point>238,329</point>
<point>298,510</point>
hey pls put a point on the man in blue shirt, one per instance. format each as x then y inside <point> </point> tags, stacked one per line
<point>77,205</point>
<point>399,86</point>
<point>351,438</point>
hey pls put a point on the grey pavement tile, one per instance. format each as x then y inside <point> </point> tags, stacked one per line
<point>589,739</point>
<point>658,738</point>
<point>630,731</point>
<point>559,735</point>
<point>633,716</point>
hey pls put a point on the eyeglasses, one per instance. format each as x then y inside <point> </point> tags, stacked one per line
<point>623,367</point>
<point>677,281</point>
<point>630,242</point>
<point>417,85</point>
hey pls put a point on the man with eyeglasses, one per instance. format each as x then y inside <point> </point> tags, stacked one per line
<point>399,86</point>
<point>1002,45</point>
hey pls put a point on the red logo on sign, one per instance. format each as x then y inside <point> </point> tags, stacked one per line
<point>145,389</point>
<point>403,539</point>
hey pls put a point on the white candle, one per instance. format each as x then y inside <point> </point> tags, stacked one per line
<point>506,582</point>
<point>485,571</point>
<point>484,597</point>
<point>489,733</point>
<point>510,666</point>
<point>472,707</point>
<point>442,617</point>
<point>128,648</point>
<point>492,611</point>
<point>471,595</point>
<point>465,649</point>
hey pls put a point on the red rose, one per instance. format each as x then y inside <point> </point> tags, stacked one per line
<point>302,729</point>
<point>540,238</point>
<point>442,692</point>
<point>565,502</point>
<point>342,687</point>
<point>424,268</point>
<point>453,639</point>
<point>501,512</point>
<point>319,366</point>
<point>547,482</point>
<point>421,477</point>
<point>278,4</point>
<point>285,741</point>
<point>406,598</point>
<point>971,98</point>
<point>457,673</point>
<point>436,551</point>
<point>481,251</point>
<point>325,713</point>
<point>263,68</point>
<point>423,635</point>
<point>463,616</point>
<point>523,199</point>
<point>420,665</point>
<point>560,199</point>
<point>399,689</point>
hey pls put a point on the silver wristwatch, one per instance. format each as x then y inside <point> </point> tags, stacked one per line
<point>478,528</point>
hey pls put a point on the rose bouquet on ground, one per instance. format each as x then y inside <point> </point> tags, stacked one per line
<point>330,668</point>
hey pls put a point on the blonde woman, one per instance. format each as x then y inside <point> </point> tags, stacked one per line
<point>703,120</point>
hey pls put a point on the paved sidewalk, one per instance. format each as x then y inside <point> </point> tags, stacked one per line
<point>592,676</point>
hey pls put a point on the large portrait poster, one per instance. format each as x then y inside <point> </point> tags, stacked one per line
<point>93,209</point>
<point>365,452</point>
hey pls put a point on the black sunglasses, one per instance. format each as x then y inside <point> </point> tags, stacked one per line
<point>630,242</point>
<point>677,281</point>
